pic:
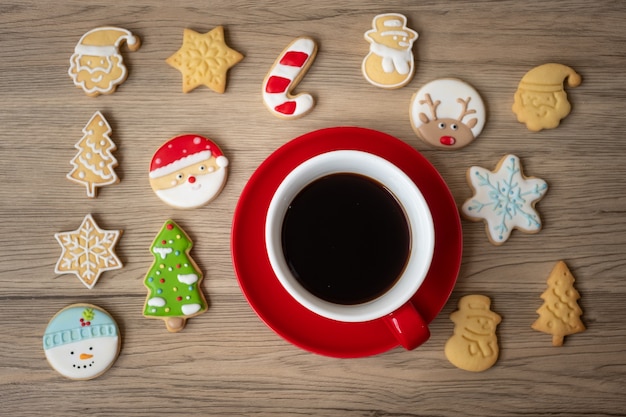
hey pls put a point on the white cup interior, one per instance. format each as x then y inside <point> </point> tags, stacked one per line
<point>408,195</point>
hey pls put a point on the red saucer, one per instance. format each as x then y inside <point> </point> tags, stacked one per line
<point>276,307</point>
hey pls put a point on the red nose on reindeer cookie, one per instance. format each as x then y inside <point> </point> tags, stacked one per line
<point>188,171</point>
<point>447,113</point>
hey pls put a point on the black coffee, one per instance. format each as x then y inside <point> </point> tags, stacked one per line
<point>345,238</point>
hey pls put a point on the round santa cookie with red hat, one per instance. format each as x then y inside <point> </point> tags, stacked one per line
<point>188,171</point>
<point>97,65</point>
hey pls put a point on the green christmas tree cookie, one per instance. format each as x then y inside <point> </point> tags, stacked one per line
<point>173,280</point>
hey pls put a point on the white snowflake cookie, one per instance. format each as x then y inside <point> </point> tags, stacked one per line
<point>504,199</point>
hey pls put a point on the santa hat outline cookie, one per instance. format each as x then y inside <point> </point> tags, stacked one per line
<point>540,100</point>
<point>188,171</point>
<point>97,65</point>
<point>82,341</point>
<point>390,62</point>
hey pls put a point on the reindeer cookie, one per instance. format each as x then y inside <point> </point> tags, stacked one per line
<point>447,113</point>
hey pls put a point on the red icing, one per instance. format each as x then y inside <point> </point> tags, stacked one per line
<point>182,146</point>
<point>163,242</point>
<point>288,107</point>
<point>276,84</point>
<point>170,226</point>
<point>191,179</point>
<point>447,140</point>
<point>179,298</point>
<point>162,280</point>
<point>294,58</point>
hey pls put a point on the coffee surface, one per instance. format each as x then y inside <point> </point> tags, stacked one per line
<point>346,238</point>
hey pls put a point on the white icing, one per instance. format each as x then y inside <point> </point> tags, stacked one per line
<point>505,199</point>
<point>162,251</point>
<point>187,195</point>
<point>448,91</point>
<point>98,354</point>
<point>189,309</point>
<point>304,102</point>
<point>156,302</point>
<point>188,278</point>
<point>90,249</point>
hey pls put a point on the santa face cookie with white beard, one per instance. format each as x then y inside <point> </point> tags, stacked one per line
<point>82,341</point>
<point>188,171</point>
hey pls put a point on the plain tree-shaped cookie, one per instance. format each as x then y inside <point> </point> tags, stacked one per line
<point>560,314</point>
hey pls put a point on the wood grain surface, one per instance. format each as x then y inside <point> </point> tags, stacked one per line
<point>227,362</point>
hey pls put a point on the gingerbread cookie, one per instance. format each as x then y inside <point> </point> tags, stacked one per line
<point>286,72</point>
<point>447,113</point>
<point>94,162</point>
<point>174,280</point>
<point>188,171</point>
<point>560,314</point>
<point>390,62</point>
<point>540,100</point>
<point>204,59</point>
<point>474,345</point>
<point>97,65</point>
<point>82,341</point>
<point>504,199</point>
<point>88,251</point>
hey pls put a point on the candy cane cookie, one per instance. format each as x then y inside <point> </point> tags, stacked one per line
<point>286,72</point>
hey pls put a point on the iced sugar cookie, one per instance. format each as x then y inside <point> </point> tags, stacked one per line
<point>447,113</point>
<point>390,62</point>
<point>540,100</point>
<point>188,171</point>
<point>504,199</point>
<point>97,65</point>
<point>204,59</point>
<point>88,251</point>
<point>474,345</point>
<point>560,313</point>
<point>82,341</point>
<point>286,72</point>
<point>94,162</point>
<point>174,280</point>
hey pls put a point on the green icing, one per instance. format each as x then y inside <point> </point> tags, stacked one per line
<point>173,279</point>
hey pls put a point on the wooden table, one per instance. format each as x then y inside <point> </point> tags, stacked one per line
<point>227,362</point>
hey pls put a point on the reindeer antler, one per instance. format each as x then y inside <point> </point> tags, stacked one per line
<point>464,111</point>
<point>431,105</point>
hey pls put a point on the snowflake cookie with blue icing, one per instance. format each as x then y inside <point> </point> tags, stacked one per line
<point>504,199</point>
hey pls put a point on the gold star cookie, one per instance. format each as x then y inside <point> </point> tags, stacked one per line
<point>88,251</point>
<point>204,59</point>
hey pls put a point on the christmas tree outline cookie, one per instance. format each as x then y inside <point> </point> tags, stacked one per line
<point>174,280</point>
<point>204,59</point>
<point>88,251</point>
<point>94,163</point>
<point>474,344</point>
<point>504,199</point>
<point>560,313</point>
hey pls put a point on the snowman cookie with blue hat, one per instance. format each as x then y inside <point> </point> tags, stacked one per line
<point>82,341</point>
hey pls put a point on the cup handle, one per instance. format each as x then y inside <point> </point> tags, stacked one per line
<point>408,326</point>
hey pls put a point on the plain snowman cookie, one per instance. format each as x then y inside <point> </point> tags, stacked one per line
<point>82,341</point>
<point>390,63</point>
<point>447,113</point>
<point>474,344</point>
<point>504,199</point>
<point>188,171</point>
